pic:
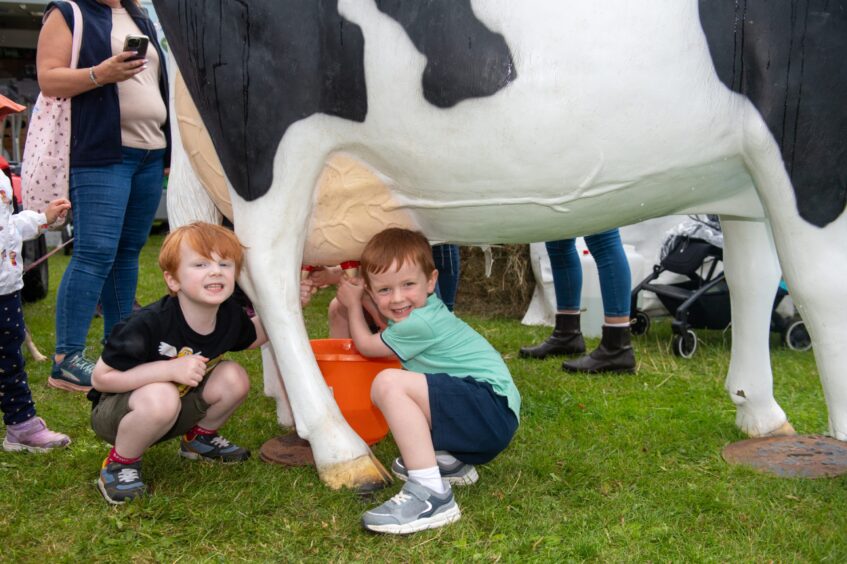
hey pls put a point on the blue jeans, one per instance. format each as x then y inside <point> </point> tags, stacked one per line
<point>446,259</point>
<point>113,209</point>
<point>612,266</point>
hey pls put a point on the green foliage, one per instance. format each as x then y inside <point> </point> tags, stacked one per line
<point>611,468</point>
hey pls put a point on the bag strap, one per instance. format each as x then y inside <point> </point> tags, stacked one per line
<point>77,32</point>
<point>77,40</point>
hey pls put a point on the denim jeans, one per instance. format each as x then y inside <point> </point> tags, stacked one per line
<point>113,209</point>
<point>446,258</point>
<point>612,266</point>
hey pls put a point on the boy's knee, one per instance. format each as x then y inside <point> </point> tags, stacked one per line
<point>158,401</point>
<point>231,379</point>
<point>337,310</point>
<point>384,384</point>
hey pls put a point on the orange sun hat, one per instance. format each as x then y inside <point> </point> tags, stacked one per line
<point>9,107</point>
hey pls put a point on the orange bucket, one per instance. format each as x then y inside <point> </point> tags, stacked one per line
<point>349,376</point>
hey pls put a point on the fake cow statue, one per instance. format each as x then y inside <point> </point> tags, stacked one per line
<point>504,121</point>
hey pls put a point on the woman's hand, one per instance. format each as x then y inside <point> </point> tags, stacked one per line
<point>118,68</point>
<point>57,209</point>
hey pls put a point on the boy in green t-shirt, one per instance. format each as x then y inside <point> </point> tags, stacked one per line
<point>453,404</point>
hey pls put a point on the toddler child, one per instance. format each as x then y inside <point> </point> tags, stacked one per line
<point>452,406</point>
<point>24,430</point>
<point>162,374</point>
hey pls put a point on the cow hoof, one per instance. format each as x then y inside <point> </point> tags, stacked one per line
<point>364,474</point>
<point>784,430</point>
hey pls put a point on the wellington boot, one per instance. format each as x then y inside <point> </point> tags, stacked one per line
<point>614,354</point>
<point>565,340</point>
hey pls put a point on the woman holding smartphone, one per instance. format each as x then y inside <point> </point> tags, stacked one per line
<point>119,149</point>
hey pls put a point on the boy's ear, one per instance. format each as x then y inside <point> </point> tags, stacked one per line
<point>172,282</point>
<point>433,280</point>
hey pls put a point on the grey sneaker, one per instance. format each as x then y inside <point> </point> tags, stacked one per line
<point>120,483</point>
<point>73,374</point>
<point>457,474</point>
<point>415,508</point>
<point>214,448</point>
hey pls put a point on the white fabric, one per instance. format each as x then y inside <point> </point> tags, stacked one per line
<point>14,230</point>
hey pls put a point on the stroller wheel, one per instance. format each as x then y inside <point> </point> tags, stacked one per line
<point>640,324</point>
<point>796,336</point>
<point>685,345</point>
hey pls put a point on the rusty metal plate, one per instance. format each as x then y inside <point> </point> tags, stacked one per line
<point>287,450</point>
<point>810,456</point>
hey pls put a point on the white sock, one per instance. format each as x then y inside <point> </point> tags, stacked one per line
<point>444,457</point>
<point>626,324</point>
<point>429,478</point>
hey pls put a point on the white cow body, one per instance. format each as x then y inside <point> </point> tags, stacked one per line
<point>603,128</point>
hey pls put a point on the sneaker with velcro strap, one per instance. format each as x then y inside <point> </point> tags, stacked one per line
<point>458,473</point>
<point>120,483</point>
<point>415,508</point>
<point>214,448</point>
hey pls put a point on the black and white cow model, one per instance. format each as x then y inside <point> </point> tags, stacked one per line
<point>518,121</point>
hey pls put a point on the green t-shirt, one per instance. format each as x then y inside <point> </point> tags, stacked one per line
<point>432,341</point>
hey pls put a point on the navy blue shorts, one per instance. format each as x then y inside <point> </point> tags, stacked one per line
<point>469,419</point>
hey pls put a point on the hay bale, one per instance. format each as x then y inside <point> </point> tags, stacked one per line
<point>506,292</point>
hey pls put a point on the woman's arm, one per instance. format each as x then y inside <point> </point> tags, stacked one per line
<point>53,59</point>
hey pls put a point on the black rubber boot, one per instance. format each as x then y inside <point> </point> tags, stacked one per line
<point>565,340</point>
<point>614,354</point>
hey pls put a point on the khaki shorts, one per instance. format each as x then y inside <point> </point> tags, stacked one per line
<point>111,409</point>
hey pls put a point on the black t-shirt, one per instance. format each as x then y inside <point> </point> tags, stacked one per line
<point>159,332</point>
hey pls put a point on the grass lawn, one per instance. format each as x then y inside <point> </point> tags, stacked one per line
<point>612,468</point>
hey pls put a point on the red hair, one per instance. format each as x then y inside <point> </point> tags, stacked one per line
<point>205,239</point>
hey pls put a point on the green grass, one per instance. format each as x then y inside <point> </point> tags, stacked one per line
<point>613,468</point>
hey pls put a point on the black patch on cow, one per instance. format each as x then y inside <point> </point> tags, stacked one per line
<point>254,67</point>
<point>464,59</point>
<point>788,57</point>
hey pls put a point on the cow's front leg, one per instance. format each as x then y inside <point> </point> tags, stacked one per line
<point>273,229</point>
<point>752,273</point>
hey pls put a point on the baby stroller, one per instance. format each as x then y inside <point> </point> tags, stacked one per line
<point>701,300</point>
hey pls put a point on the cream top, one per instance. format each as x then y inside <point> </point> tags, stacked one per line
<point>143,111</point>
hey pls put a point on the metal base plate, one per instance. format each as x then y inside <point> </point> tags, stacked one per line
<point>287,450</point>
<point>810,456</point>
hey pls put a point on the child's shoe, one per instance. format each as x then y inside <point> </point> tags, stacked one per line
<point>415,508</point>
<point>33,436</point>
<point>120,483</point>
<point>73,374</point>
<point>214,448</point>
<point>458,473</point>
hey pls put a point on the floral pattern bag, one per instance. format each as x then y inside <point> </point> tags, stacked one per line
<point>46,167</point>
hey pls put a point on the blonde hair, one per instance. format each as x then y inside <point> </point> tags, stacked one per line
<point>205,239</point>
<point>396,245</point>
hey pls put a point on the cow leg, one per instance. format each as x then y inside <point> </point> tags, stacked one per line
<point>813,261</point>
<point>273,229</point>
<point>752,273</point>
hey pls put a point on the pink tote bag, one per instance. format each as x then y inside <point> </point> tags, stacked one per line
<point>46,164</point>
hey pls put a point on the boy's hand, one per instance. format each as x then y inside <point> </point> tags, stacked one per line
<point>307,290</point>
<point>322,276</point>
<point>57,209</point>
<point>188,370</point>
<point>350,292</point>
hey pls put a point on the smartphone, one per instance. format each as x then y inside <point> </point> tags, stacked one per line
<point>137,43</point>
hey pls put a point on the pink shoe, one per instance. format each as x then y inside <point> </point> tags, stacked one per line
<point>33,436</point>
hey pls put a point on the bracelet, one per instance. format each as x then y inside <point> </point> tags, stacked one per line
<point>93,77</point>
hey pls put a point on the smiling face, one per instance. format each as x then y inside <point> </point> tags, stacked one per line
<point>397,292</point>
<point>205,281</point>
